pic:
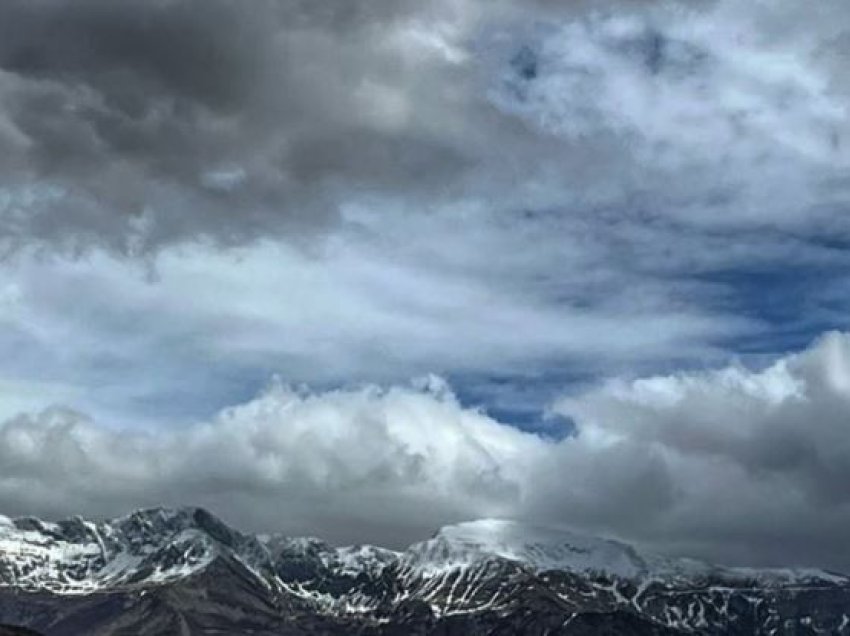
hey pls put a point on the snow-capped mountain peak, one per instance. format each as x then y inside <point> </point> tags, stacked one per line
<point>537,547</point>
<point>547,548</point>
<point>487,570</point>
<point>75,556</point>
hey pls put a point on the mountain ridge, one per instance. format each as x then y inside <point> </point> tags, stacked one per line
<point>196,574</point>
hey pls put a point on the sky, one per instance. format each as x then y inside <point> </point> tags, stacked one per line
<point>358,269</point>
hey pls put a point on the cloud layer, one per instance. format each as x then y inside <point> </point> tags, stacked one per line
<point>735,465</point>
<point>137,126</point>
<point>740,464</point>
<point>517,196</point>
<point>200,329</point>
<point>352,465</point>
<point>618,186</point>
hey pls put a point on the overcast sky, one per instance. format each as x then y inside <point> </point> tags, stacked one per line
<point>358,268</point>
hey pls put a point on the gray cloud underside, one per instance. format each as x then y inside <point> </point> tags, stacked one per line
<point>736,465</point>
<point>164,121</point>
<point>125,108</point>
<point>136,125</point>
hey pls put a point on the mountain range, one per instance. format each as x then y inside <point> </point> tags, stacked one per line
<point>171,572</point>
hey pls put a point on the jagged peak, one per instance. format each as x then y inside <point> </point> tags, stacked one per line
<point>74,555</point>
<point>185,516</point>
<point>164,514</point>
<point>173,542</point>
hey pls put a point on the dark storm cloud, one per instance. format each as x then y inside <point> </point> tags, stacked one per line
<point>141,124</point>
<point>133,110</point>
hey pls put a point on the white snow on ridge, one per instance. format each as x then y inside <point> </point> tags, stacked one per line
<point>149,547</point>
<point>540,548</point>
<point>79,557</point>
<point>545,549</point>
<point>345,560</point>
<point>786,576</point>
<point>354,559</point>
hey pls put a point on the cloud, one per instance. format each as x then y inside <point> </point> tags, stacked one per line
<point>351,465</point>
<point>197,329</point>
<point>705,112</point>
<point>195,196</point>
<point>120,127</point>
<point>735,465</point>
<point>619,201</point>
<point>129,112</point>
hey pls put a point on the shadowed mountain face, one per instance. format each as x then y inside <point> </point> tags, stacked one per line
<point>9,630</point>
<point>167,572</point>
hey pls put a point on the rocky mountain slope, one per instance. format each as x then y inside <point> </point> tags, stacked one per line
<point>172,572</point>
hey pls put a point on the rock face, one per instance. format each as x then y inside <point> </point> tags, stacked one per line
<point>173,572</point>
